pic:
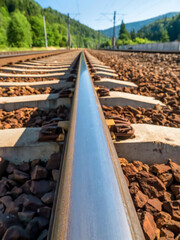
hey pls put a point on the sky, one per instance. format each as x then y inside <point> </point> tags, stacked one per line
<point>98,14</point>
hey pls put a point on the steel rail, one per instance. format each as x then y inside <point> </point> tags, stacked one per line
<point>91,203</point>
<point>23,53</point>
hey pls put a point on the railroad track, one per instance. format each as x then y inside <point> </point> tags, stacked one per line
<point>13,57</point>
<point>52,120</point>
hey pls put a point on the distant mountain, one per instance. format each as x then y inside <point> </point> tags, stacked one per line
<point>137,25</point>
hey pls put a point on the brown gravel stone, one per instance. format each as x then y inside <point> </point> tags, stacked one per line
<point>15,233</point>
<point>130,171</point>
<point>10,168</point>
<point>26,187</point>
<point>162,218</point>
<point>173,208</point>
<point>175,189</point>
<point>123,162</point>
<point>175,170</point>
<point>6,221</point>
<point>166,178</point>
<point>168,196</point>
<point>12,209</point>
<point>39,173</point>
<point>149,226</point>
<point>159,168</point>
<point>48,198</point>
<point>26,216</point>
<point>36,225</point>
<point>134,188</point>
<point>20,176</point>
<point>35,162</point>
<point>138,165</point>
<point>6,200</point>
<point>151,185</point>
<point>140,199</point>
<point>153,205</point>
<point>19,200</point>
<point>16,191</point>
<point>173,226</point>
<point>166,234</point>
<point>55,174</point>
<point>25,167</point>
<point>31,203</point>
<point>39,188</point>
<point>44,212</point>
<point>53,162</point>
<point>3,166</point>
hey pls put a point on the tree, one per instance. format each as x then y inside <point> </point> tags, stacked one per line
<point>133,34</point>
<point>37,31</point>
<point>4,22</point>
<point>164,36</point>
<point>123,33</point>
<point>19,31</point>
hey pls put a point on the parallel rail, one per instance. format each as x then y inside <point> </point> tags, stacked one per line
<point>93,200</point>
<point>24,56</point>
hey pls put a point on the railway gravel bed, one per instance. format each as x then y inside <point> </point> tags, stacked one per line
<point>26,198</point>
<point>155,191</point>
<point>27,79</point>
<point>159,116</point>
<point>156,75</point>
<point>25,90</point>
<point>32,117</point>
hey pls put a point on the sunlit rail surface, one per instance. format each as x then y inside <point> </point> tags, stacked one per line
<point>89,204</point>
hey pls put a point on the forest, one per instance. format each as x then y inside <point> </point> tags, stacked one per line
<point>21,25</point>
<point>164,30</point>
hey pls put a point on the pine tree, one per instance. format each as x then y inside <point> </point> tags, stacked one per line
<point>123,33</point>
<point>133,34</point>
<point>164,36</point>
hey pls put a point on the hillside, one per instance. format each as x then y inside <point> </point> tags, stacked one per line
<point>21,25</point>
<point>136,25</point>
<point>166,29</point>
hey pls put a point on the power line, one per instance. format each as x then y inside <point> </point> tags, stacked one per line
<point>114,24</point>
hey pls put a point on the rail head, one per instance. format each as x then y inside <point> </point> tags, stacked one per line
<point>89,202</point>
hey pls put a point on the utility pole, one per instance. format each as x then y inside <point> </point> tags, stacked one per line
<point>45,33</point>
<point>114,24</point>
<point>114,28</point>
<point>69,36</point>
<point>98,39</point>
<point>77,38</point>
